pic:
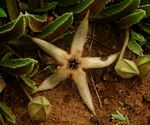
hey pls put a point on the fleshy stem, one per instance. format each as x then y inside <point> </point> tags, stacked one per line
<point>125,44</point>
<point>12,9</point>
<point>25,91</point>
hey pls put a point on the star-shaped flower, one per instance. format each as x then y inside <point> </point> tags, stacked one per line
<point>73,64</point>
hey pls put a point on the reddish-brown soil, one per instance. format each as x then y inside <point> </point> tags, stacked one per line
<point>131,97</point>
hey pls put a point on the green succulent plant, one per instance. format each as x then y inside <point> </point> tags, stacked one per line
<point>22,67</point>
<point>37,24</point>
<point>7,114</point>
<point>127,14</point>
<point>122,119</point>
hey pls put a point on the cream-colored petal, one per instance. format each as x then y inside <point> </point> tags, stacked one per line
<point>79,78</point>
<point>54,79</point>
<point>57,53</point>
<point>80,37</point>
<point>97,62</point>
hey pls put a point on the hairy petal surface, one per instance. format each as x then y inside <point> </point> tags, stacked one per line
<point>79,77</point>
<point>80,37</point>
<point>57,53</point>
<point>97,62</point>
<point>54,79</point>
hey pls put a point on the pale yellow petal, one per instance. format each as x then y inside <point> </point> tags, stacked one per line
<point>80,37</point>
<point>57,53</point>
<point>97,62</point>
<point>79,78</point>
<point>54,79</point>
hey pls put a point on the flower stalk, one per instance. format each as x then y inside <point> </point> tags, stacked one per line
<point>125,44</point>
<point>26,92</point>
<point>124,67</point>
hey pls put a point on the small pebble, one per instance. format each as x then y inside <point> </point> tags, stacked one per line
<point>106,101</point>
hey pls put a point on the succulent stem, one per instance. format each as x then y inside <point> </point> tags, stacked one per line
<point>125,44</point>
<point>25,91</point>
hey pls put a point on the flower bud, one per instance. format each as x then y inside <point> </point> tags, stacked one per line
<point>143,63</point>
<point>126,68</point>
<point>39,108</point>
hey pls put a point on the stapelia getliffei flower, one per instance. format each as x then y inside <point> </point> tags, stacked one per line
<point>72,64</point>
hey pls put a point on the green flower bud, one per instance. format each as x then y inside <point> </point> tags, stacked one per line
<point>39,108</point>
<point>143,63</point>
<point>126,68</point>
